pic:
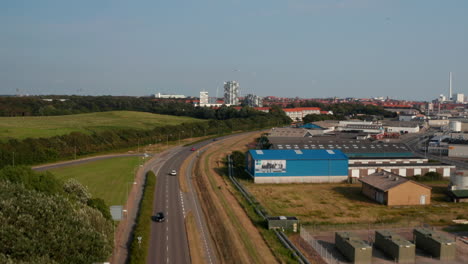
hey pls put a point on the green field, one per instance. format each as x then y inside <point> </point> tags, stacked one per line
<point>108,179</point>
<point>48,126</point>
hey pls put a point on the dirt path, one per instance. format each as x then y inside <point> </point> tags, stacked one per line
<point>237,239</point>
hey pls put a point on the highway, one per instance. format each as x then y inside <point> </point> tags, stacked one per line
<point>168,242</point>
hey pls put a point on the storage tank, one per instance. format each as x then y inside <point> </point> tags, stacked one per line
<point>455,126</point>
<point>460,180</point>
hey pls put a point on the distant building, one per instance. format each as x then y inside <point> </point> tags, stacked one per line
<point>231,93</point>
<point>459,98</point>
<point>391,189</point>
<point>204,98</point>
<point>298,113</point>
<point>253,100</point>
<point>167,96</point>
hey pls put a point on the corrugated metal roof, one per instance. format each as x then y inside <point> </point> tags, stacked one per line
<point>307,154</point>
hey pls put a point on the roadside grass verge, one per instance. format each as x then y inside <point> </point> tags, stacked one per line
<point>139,251</point>
<point>249,245</point>
<point>197,255</point>
<point>282,254</point>
<point>108,179</point>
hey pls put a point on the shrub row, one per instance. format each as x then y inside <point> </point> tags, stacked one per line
<point>139,251</point>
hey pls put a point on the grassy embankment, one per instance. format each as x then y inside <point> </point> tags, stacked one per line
<point>109,179</point>
<point>49,126</point>
<point>339,203</point>
<point>139,251</point>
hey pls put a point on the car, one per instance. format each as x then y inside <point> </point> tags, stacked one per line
<point>173,173</point>
<point>215,139</point>
<point>159,217</point>
<point>192,149</point>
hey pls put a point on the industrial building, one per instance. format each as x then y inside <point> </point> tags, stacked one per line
<point>395,246</point>
<point>289,132</point>
<point>288,166</point>
<point>398,165</point>
<point>458,150</point>
<point>353,248</point>
<point>231,93</point>
<point>435,244</point>
<point>391,189</point>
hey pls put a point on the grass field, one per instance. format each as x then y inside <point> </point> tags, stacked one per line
<point>48,126</point>
<point>340,203</point>
<point>108,179</point>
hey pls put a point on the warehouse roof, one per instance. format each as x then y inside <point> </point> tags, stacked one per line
<point>347,145</point>
<point>288,132</point>
<point>315,154</point>
<point>384,180</point>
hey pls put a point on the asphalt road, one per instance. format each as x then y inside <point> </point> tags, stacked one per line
<point>168,242</point>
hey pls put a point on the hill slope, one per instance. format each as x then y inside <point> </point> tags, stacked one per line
<point>48,126</point>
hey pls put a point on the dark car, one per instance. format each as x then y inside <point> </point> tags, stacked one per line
<point>215,139</point>
<point>159,217</point>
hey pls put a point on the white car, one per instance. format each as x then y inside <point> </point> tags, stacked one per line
<point>173,173</point>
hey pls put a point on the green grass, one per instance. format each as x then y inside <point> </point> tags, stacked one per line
<point>49,126</point>
<point>139,252</point>
<point>108,179</point>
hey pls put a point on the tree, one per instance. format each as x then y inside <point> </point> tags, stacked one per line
<point>76,190</point>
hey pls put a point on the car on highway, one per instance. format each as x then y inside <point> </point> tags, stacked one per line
<point>192,149</point>
<point>173,173</point>
<point>159,217</point>
<point>215,139</point>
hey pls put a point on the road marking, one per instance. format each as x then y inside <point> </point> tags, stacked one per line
<point>182,203</point>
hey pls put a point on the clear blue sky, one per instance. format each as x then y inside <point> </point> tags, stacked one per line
<point>305,48</point>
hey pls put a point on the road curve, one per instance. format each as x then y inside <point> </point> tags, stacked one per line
<point>168,242</point>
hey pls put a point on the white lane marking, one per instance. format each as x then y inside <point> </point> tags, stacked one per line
<point>182,203</point>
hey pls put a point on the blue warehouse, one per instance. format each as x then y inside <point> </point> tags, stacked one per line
<point>305,165</point>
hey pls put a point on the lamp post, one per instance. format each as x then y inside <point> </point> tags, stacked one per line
<point>179,135</point>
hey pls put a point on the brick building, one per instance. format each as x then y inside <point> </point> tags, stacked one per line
<point>391,189</point>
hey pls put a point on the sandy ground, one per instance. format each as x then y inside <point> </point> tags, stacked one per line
<point>221,196</point>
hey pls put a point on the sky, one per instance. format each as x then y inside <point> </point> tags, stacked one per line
<point>403,49</point>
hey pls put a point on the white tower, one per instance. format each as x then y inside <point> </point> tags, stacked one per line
<point>450,87</point>
<point>203,98</point>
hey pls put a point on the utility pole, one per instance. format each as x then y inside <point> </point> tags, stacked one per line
<point>13,158</point>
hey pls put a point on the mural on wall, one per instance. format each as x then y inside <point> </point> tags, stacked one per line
<point>265,166</point>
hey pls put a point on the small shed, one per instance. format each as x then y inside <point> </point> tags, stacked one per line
<point>436,244</point>
<point>283,222</point>
<point>395,246</point>
<point>392,189</point>
<point>353,248</point>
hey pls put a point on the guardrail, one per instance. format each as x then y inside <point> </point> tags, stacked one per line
<point>281,236</point>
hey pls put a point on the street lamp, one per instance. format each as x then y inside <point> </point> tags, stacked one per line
<point>179,135</point>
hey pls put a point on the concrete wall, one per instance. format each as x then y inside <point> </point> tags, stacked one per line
<point>408,193</point>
